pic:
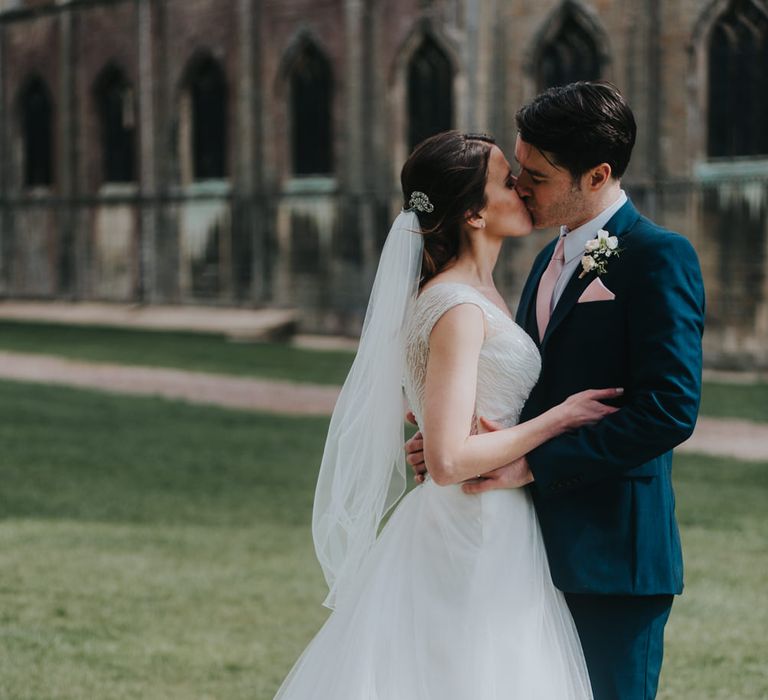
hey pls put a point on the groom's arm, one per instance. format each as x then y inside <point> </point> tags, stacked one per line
<point>665,325</point>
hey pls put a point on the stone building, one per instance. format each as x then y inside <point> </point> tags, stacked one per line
<point>247,152</point>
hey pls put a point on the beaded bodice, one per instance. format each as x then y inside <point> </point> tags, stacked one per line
<point>509,362</point>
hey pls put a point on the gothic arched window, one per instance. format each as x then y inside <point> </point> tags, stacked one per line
<point>311,86</point>
<point>37,133</point>
<point>738,81</point>
<point>207,88</point>
<point>430,92</point>
<point>115,103</point>
<point>570,55</point>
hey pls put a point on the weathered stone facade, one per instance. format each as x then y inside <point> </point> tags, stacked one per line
<point>254,233</point>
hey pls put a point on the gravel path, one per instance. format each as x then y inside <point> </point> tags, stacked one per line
<point>729,438</point>
<point>246,324</point>
<point>195,387</point>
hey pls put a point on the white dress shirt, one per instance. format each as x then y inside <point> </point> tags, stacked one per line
<point>573,246</point>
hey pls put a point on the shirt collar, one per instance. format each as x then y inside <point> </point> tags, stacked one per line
<point>575,240</point>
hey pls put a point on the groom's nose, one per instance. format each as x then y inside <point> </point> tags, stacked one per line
<point>522,184</point>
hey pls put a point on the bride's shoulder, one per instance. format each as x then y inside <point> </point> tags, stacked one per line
<point>447,293</point>
<point>437,297</point>
<point>444,285</point>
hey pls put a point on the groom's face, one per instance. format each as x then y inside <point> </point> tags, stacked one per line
<point>549,192</point>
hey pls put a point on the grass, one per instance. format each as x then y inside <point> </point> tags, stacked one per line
<point>189,351</point>
<point>735,401</point>
<point>151,549</point>
<point>156,550</point>
<point>716,642</point>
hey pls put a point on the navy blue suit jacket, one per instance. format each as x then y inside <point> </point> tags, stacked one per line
<point>603,493</point>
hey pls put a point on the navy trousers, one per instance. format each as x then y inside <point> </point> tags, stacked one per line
<point>623,642</point>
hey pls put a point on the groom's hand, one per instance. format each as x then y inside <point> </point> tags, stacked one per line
<point>414,450</point>
<point>511,476</point>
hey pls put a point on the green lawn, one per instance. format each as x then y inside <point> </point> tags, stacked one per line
<point>735,401</point>
<point>716,640</point>
<point>190,351</point>
<point>151,549</point>
<point>161,551</point>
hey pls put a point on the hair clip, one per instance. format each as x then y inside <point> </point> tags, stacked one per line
<point>420,202</point>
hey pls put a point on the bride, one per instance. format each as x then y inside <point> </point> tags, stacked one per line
<point>452,599</point>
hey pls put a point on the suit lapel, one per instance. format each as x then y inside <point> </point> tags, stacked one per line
<point>617,225</point>
<point>525,311</point>
<point>567,301</point>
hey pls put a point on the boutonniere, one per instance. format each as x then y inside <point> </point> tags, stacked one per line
<point>598,251</point>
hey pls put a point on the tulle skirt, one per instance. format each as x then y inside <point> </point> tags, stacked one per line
<point>454,602</point>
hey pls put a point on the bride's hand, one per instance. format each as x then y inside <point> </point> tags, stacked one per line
<point>586,407</point>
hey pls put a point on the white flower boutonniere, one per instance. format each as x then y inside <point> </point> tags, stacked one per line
<point>598,251</point>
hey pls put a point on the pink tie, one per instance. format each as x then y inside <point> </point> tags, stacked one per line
<point>547,287</point>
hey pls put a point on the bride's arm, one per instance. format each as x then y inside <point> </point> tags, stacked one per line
<point>451,453</point>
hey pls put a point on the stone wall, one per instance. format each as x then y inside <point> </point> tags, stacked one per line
<point>261,236</point>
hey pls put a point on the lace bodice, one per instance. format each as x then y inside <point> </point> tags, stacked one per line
<point>509,362</point>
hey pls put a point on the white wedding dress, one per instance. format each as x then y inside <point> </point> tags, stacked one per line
<point>455,600</point>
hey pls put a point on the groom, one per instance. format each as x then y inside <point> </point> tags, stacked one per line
<point>630,317</point>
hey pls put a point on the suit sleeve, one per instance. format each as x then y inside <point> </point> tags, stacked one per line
<point>665,320</point>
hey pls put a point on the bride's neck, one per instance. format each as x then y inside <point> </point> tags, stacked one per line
<point>476,260</point>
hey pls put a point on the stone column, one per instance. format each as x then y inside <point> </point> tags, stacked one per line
<point>244,170</point>
<point>165,282</point>
<point>262,211</point>
<point>358,216</point>
<point>642,86</point>
<point>655,103</point>
<point>72,268</point>
<point>353,112</point>
<point>350,171</point>
<point>147,174</point>
<point>5,172</point>
<point>469,118</point>
<point>494,64</point>
<point>246,248</point>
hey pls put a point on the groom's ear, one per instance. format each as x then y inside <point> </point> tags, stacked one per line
<point>597,177</point>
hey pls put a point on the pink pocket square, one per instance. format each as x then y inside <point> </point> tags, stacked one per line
<point>596,291</point>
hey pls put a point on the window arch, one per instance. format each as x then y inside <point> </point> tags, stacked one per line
<point>430,92</point>
<point>206,88</point>
<point>36,108</point>
<point>569,54</point>
<point>116,110</point>
<point>738,81</point>
<point>311,100</point>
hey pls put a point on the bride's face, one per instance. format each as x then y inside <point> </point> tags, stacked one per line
<point>505,214</point>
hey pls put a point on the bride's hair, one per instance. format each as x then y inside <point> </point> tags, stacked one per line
<point>451,168</point>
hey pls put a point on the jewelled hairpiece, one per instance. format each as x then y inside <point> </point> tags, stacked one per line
<point>420,202</point>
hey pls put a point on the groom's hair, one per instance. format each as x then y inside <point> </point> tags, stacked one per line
<point>580,126</point>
